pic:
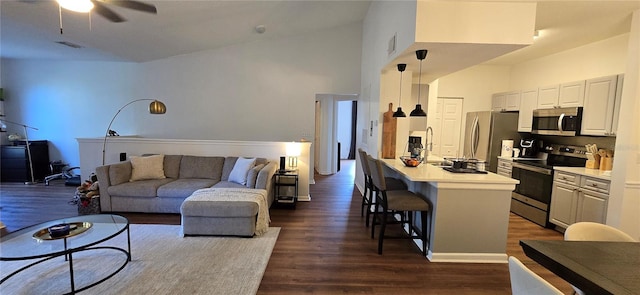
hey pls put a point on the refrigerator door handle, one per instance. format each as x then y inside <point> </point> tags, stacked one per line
<point>475,136</point>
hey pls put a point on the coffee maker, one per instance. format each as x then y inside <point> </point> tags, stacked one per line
<point>415,146</point>
<point>530,147</point>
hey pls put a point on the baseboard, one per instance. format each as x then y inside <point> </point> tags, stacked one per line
<point>468,257</point>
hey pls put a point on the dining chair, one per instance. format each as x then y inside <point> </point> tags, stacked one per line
<point>392,202</point>
<point>367,196</point>
<point>593,231</point>
<point>526,282</point>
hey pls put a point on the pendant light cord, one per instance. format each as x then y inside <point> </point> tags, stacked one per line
<point>400,99</point>
<point>419,81</point>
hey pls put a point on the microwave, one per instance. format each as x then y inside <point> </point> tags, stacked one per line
<point>559,121</point>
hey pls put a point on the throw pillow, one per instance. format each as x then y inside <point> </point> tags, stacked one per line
<point>151,167</point>
<point>252,176</point>
<point>241,169</point>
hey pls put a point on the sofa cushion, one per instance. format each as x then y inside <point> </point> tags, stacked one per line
<point>241,169</point>
<point>142,188</point>
<point>172,165</point>
<point>219,209</point>
<point>252,176</point>
<point>229,162</point>
<point>119,172</point>
<point>150,167</point>
<point>228,184</point>
<point>184,187</point>
<point>201,167</point>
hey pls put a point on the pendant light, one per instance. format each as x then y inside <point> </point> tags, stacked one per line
<point>399,112</point>
<point>418,112</point>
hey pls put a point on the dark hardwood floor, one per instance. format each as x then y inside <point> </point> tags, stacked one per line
<point>324,246</point>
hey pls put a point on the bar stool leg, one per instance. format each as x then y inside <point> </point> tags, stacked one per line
<point>383,225</point>
<point>424,232</point>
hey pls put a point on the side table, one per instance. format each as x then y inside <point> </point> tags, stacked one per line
<point>286,187</point>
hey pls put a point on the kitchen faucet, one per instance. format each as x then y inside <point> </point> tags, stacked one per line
<point>430,143</point>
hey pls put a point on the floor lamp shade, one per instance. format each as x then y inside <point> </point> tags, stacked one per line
<point>156,107</point>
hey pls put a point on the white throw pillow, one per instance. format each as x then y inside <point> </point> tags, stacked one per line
<point>240,170</point>
<point>150,167</point>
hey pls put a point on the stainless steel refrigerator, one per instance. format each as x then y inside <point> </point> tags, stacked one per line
<point>484,132</point>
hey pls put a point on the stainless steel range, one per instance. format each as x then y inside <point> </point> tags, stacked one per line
<point>532,197</point>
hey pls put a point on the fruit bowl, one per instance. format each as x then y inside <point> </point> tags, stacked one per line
<point>410,162</point>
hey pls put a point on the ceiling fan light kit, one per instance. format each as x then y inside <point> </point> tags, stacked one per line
<point>418,112</point>
<point>76,5</point>
<point>100,7</point>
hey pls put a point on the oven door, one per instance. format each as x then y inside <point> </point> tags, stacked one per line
<point>535,182</point>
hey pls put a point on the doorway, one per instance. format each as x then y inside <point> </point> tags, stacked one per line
<point>335,131</point>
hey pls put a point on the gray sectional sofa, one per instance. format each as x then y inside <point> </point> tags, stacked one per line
<point>183,175</point>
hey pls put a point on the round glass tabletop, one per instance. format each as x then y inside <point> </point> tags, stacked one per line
<point>34,241</point>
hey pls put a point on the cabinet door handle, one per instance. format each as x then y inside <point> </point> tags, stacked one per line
<point>594,185</point>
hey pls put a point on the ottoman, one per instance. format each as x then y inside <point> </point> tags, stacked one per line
<point>206,213</point>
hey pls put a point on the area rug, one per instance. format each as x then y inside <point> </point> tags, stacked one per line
<point>163,262</point>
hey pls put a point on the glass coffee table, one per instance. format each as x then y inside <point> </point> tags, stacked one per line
<point>83,233</point>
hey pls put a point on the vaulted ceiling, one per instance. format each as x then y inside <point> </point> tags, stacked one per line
<point>30,28</point>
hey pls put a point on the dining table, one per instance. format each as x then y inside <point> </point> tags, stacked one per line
<point>592,266</point>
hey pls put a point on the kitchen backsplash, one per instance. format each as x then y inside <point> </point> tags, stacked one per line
<point>600,141</point>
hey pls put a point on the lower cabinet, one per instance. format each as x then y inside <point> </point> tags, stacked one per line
<point>577,198</point>
<point>504,167</point>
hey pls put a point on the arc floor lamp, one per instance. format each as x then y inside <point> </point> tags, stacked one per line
<point>156,107</point>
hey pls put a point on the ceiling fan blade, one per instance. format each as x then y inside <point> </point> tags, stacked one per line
<point>105,12</point>
<point>135,5</point>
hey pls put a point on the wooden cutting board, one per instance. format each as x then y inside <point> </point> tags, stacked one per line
<point>389,125</point>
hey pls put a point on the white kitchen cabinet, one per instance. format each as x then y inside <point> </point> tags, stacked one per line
<point>506,102</point>
<point>561,96</point>
<point>548,96</point>
<point>571,94</point>
<point>577,198</point>
<point>599,106</point>
<point>498,102</point>
<point>504,167</point>
<point>512,101</point>
<point>564,204</point>
<point>528,103</point>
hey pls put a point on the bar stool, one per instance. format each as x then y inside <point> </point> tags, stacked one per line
<point>367,196</point>
<point>402,202</point>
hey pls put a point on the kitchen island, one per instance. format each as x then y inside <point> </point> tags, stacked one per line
<point>470,216</point>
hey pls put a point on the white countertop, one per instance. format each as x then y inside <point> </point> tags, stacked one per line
<point>605,175</point>
<point>429,173</point>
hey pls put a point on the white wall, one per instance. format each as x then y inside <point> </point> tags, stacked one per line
<point>475,85</point>
<point>624,201</point>
<point>603,58</point>
<point>383,20</point>
<point>261,91</point>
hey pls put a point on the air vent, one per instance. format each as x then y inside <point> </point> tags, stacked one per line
<point>72,45</point>
<point>391,47</point>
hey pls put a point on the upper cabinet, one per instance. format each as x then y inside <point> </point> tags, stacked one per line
<point>506,102</point>
<point>548,97</point>
<point>571,94</point>
<point>498,101</point>
<point>561,96</point>
<point>601,106</point>
<point>528,102</point>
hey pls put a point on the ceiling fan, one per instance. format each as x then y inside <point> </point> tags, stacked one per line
<point>100,7</point>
